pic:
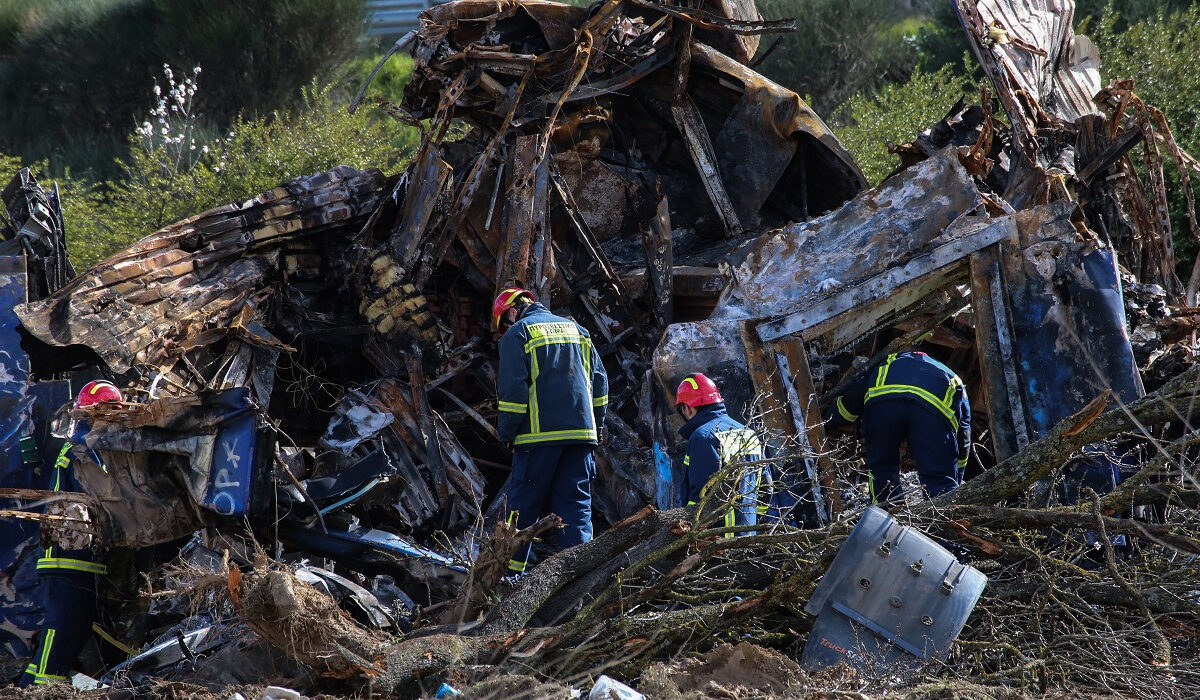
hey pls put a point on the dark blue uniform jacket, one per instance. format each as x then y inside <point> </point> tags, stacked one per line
<point>917,378</point>
<point>716,440</point>
<point>63,478</point>
<point>552,387</point>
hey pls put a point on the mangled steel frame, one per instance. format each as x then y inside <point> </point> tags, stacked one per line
<point>1022,248</point>
<point>590,137</point>
<point>190,320</point>
<point>591,131</point>
<point>614,156</point>
<point>590,134</point>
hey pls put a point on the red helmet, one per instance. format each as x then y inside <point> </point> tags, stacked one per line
<point>96,392</point>
<point>697,390</point>
<point>505,301</point>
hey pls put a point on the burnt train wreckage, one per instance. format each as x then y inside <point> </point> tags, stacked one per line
<point>316,361</point>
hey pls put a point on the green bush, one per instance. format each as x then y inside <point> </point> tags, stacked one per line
<point>940,40</point>
<point>73,72</point>
<point>1124,13</point>
<point>174,175</point>
<point>388,84</point>
<point>1159,54</point>
<point>842,48</point>
<point>896,114</point>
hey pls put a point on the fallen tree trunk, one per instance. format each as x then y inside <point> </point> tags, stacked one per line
<point>1174,401</point>
<point>1018,518</point>
<point>557,572</point>
<point>1159,599</point>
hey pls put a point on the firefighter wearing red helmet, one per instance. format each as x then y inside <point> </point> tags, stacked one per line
<point>67,570</point>
<point>98,391</point>
<point>552,392</point>
<point>715,440</point>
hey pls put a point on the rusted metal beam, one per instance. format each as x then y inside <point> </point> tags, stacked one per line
<point>792,360</point>
<point>997,364</point>
<point>695,137</point>
<point>518,215</point>
<point>656,242</point>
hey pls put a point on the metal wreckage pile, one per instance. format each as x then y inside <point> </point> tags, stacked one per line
<point>311,373</point>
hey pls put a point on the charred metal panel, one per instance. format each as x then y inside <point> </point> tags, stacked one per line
<point>170,466</point>
<point>713,347</point>
<point>656,240</point>
<point>136,307</point>
<point>427,182</point>
<point>864,304</point>
<point>878,230</point>
<point>773,150</point>
<point>519,213</point>
<point>1062,300</point>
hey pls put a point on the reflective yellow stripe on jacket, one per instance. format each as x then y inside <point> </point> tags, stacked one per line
<point>943,404</point>
<point>541,335</point>
<point>49,562</point>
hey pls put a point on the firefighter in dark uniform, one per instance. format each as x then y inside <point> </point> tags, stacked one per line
<point>909,397</point>
<point>552,392</point>
<point>67,576</point>
<point>715,440</point>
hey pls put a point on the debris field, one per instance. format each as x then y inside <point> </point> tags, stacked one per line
<point>301,488</point>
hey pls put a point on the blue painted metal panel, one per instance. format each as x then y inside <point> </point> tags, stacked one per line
<point>1072,340</point>
<point>231,475</point>
<point>19,612</point>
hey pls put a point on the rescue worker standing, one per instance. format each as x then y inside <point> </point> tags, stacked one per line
<point>553,393</point>
<point>67,573</point>
<point>909,397</point>
<point>715,440</point>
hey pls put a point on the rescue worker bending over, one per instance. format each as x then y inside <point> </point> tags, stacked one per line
<point>714,440</point>
<point>67,576</point>
<point>909,397</point>
<point>552,392</point>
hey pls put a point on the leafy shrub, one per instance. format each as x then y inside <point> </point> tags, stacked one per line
<point>842,48</point>
<point>1124,13</point>
<point>896,114</point>
<point>940,40</point>
<point>72,72</point>
<point>172,173</point>
<point>388,84</point>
